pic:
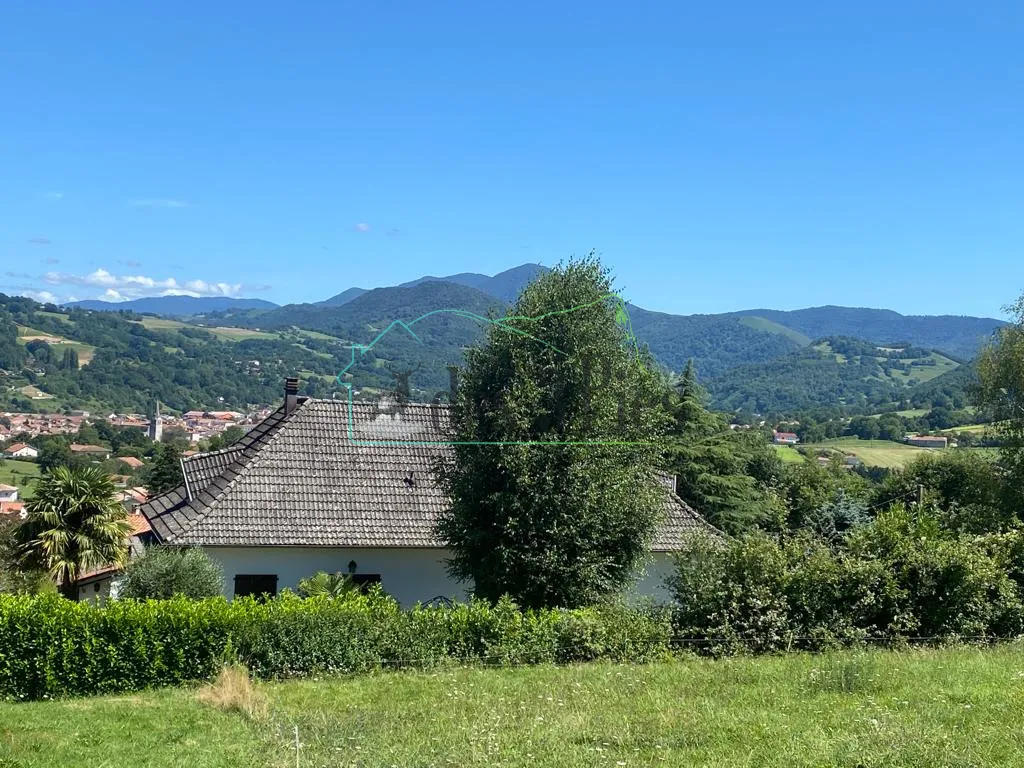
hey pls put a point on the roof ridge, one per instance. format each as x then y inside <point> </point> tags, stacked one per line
<point>251,460</point>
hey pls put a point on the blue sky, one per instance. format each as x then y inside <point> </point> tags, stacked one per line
<point>719,157</point>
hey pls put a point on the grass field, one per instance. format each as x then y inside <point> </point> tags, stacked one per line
<point>874,453</point>
<point>941,708</point>
<point>789,454</point>
<point>224,333</point>
<point>14,471</point>
<point>770,326</point>
<point>57,344</point>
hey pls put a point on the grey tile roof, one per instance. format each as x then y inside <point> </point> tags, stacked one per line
<point>331,475</point>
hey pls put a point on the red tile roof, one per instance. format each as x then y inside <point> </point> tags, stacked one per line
<point>11,507</point>
<point>131,461</point>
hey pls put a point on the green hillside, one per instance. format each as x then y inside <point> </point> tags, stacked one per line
<point>769,326</point>
<point>858,375</point>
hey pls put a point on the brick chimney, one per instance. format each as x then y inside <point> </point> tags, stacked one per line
<point>291,394</point>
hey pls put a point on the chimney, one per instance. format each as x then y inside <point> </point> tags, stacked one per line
<point>453,382</point>
<point>291,394</point>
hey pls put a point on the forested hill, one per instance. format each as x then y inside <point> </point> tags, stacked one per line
<point>840,371</point>
<point>959,336</point>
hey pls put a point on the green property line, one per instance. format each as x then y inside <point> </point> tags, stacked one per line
<point>621,317</point>
<point>354,441</point>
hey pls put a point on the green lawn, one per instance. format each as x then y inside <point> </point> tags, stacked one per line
<point>874,453</point>
<point>789,454</point>
<point>943,708</point>
<point>13,472</point>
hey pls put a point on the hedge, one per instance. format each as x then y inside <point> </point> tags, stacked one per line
<point>52,647</point>
<point>902,578</point>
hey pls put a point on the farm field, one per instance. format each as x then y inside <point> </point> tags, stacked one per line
<point>874,453</point>
<point>939,708</point>
<point>14,471</point>
<point>789,454</point>
<point>58,343</point>
<point>224,333</point>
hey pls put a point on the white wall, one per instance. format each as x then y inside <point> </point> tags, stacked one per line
<point>408,575</point>
<point>95,592</point>
<point>9,495</point>
<point>651,583</point>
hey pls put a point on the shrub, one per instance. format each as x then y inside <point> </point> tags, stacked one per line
<point>327,585</point>
<point>55,647</point>
<point>163,572</point>
<point>900,577</point>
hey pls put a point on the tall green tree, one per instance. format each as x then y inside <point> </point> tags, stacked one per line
<point>74,524</point>
<point>165,474</point>
<point>69,362</point>
<point>724,475</point>
<point>1001,394</point>
<point>557,426</point>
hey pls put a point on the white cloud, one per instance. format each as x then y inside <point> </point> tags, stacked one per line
<point>44,297</point>
<point>160,202</point>
<point>54,195</point>
<point>362,227</point>
<point>123,287</point>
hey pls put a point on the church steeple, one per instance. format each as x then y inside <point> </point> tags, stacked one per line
<point>156,425</point>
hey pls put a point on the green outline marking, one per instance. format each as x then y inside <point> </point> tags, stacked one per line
<point>621,317</point>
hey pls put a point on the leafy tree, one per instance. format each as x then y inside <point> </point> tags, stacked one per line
<point>324,584</point>
<point>164,474</point>
<point>40,350</point>
<point>160,573</point>
<point>966,485</point>
<point>1001,393</point>
<point>556,425</point>
<point>54,454</point>
<point>75,523</point>
<point>809,488</point>
<point>13,576</point>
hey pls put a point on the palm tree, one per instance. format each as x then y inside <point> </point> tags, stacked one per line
<point>324,584</point>
<point>74,524</point>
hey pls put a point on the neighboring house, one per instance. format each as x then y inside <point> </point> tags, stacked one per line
<point>928,441</point>
<point>21,451</point>
<point>785,438</point>
<point>131,498</point>
<point>102,583</point>
<point>8,492</point>
<point>15,509</point>
<point>131,462</point>
<point>97,451</point>
<point>318,486</point>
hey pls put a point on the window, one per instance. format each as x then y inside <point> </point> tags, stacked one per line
<point>364,580</point>
<point>255,585</point>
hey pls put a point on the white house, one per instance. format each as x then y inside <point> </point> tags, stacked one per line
<point>21,451</point>
<point>8,492</point>
<point>101,583</point>
<point>322,485</point>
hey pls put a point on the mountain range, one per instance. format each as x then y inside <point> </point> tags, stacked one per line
<point>738,354</point>
<point>174,306</point>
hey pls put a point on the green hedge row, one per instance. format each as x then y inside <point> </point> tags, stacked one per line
<point>900,578</point>
<point>52,647</point>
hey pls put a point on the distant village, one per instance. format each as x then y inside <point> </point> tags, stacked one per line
<point>198,425</point>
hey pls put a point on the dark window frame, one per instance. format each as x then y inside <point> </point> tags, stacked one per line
<point>255,577</point>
